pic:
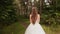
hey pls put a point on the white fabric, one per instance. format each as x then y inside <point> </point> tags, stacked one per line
<point>34,28</point>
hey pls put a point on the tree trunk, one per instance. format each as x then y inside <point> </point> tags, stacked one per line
<point>18,8</point>
<point>41,6</point>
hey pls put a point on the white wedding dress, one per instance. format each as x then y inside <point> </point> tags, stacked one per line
<point>35,28</point>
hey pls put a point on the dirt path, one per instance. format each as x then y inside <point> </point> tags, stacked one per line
<point>24,24</point>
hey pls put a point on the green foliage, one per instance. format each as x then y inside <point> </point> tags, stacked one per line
<point>7,12</point>
<point>51,15</point>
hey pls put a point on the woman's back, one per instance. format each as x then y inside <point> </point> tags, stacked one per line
<point>37,20</point>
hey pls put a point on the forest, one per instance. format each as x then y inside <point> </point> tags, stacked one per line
<point>14,15</point>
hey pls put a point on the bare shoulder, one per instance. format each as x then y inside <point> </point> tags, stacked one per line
<point>30,15</point>
<point>38,15</point>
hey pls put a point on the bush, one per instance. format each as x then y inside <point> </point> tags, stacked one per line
<point>7,12</point>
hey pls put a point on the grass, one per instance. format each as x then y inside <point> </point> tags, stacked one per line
<point>17,28</point>
<point>51,29</point>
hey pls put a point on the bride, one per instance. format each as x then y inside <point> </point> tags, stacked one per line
<point>34,26</point>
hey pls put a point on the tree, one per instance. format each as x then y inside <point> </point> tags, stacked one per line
<point>7,12</point>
